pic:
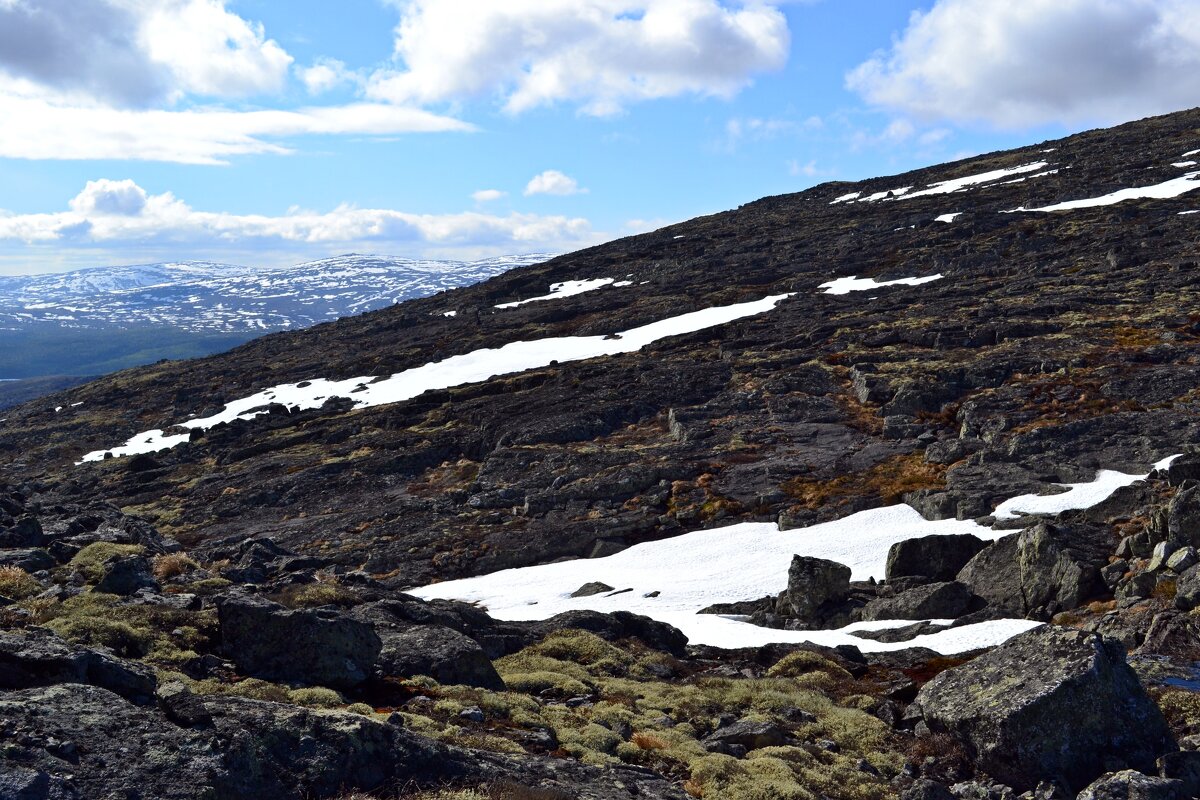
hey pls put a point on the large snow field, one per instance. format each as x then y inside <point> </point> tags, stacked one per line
<point>673,579</point>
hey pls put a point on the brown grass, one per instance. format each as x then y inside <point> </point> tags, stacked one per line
<point>173,565</point>
<point>888,480</point>
<point>17,584</point>
<point>648,741</point>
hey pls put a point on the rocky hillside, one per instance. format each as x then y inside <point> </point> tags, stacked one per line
<point>766,483</point>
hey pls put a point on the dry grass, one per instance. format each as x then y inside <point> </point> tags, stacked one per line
<point>17,584</point>
<point>649,741</point>
<point>888,480</point>
<point>172,565</point>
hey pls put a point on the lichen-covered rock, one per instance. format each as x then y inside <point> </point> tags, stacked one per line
<point>1051,704</point>
<point>321,647</point>
<point>1129,784</point>
<point>38,657</point>
<point>938,558</point>
<point>124,575</point>
<point>443,654</point>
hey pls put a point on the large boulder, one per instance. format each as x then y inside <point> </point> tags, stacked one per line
<point>1051,704</point>
<point>124,575</point>
<point>38,657</point>
<point>322,647</point>
<point>816,582</point>
<point>933,601</point>
<point>442,653</point>
<point>1130,784</point>
<point>938,558</point>
<point>1183,516</point>
<point>1040,571</point>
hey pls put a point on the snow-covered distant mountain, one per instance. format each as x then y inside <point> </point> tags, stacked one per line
<point>209,298</point>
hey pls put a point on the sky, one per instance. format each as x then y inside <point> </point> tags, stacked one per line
<point>270,132</point>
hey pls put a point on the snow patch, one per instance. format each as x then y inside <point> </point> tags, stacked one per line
<point>854,284</point>
<point>1159,191</point>
<point>562,289</point>
<point>722,565</point>
<point>472,367</point>
<point>958,184</point>
<point>1078,495</point>
<point>845,198</point>
<point>947,217</point>
<point>1182,164</point>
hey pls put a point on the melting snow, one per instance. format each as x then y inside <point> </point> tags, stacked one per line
<point>563,289</point>
<point>1078,495</point>
<point>1191,153</point>
<point>472,367</point>
<point>845,198</point>
<point>947,217</point>
<point>1182,164</point>
<point>853,284</point>
<point>722,565</point>
<point>957,184</point>
<point>449,313</point>
<point>1159,191</point>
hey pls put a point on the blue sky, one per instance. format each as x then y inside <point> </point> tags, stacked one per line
<point>268,132</point>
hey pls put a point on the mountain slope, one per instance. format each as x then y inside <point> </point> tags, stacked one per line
<point>100,320</point>
<point>742,426</point>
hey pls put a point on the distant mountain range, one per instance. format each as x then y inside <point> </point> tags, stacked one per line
<point>49,323</point>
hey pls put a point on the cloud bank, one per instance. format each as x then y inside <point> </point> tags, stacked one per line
<point>1033,62</point>
<point>600,55</point>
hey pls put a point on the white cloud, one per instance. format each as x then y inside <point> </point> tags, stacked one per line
<point>599,54</point>
<point>38,128</point>
<point>325,75</point>
<point>487,195</point>
<point>1040,61</point>
<point>137,52</point>
<point>553,182</point>
<point>110,214</point>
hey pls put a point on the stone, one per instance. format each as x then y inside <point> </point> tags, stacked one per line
<point>1112,573</point>
<point>124,575</point>
<point>447,656</point>
<point>1182,559</point>
<point>1184,766</point>
<point>1008,706</point>
<point>925,789</point>
<point>1187,588</point>
<point>593,588</point>
<point>814,582</point>
<point>935,601</point>
<point>938,558</point>
<point>38,657</point>
<point>317,647</point>
<point>26,531</point>
<point>1129,784</point>
<point>30,559</point>
<point>1183,515</point>
<point>1162,551</point>
<point>748,734</point>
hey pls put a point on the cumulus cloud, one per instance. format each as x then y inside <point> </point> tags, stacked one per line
<point>112,213</point>
<point>38,128</point>
<point>599,54</point>
<point>553,182</point>
<point>138,52</point>
<point>1040,61</point>
<point>325,75</point>
<point>487,195</point>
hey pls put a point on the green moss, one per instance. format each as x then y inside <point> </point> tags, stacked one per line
<point>316,697</point>
<point>361,708</point>
<point>538,682</point>
<point>121,637</point>
<point>804,662</point>
<point>89,562</point>
<point>581,647</point>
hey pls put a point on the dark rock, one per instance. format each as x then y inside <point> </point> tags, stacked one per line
<point>26,531</point>
<point>748,734</point>
<point>939,558</point>
<point>124,575</point>
<point>1182,559</point>
<point>1162,551</point>
<point>815,582</point>
<point>935,601</point>
<point>319,647</point>
<point>445,655</point>
<point>1183,516</point>
<point>1173,634</point>
<point>925,789</point>
<point>1184,766</point>
<point>38,657</point>
<point>614,626</point>
<point>589,589</point>
<point>1008,706</point>
<point>1132,785</point>
<point>30,559</point>
<point>1187,589</point>
<point>1184,468</point>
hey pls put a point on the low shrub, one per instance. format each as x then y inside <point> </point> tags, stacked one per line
<point>171,565</point>
<point>89,562</point>
<point>17,584</point>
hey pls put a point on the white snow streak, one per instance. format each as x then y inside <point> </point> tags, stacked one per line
<point>853,284</point>
<point>1078,495</point>
<point>958,184</point>
<point>947,217</point>
<point>1159,191</point>
<point>563,289</point>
